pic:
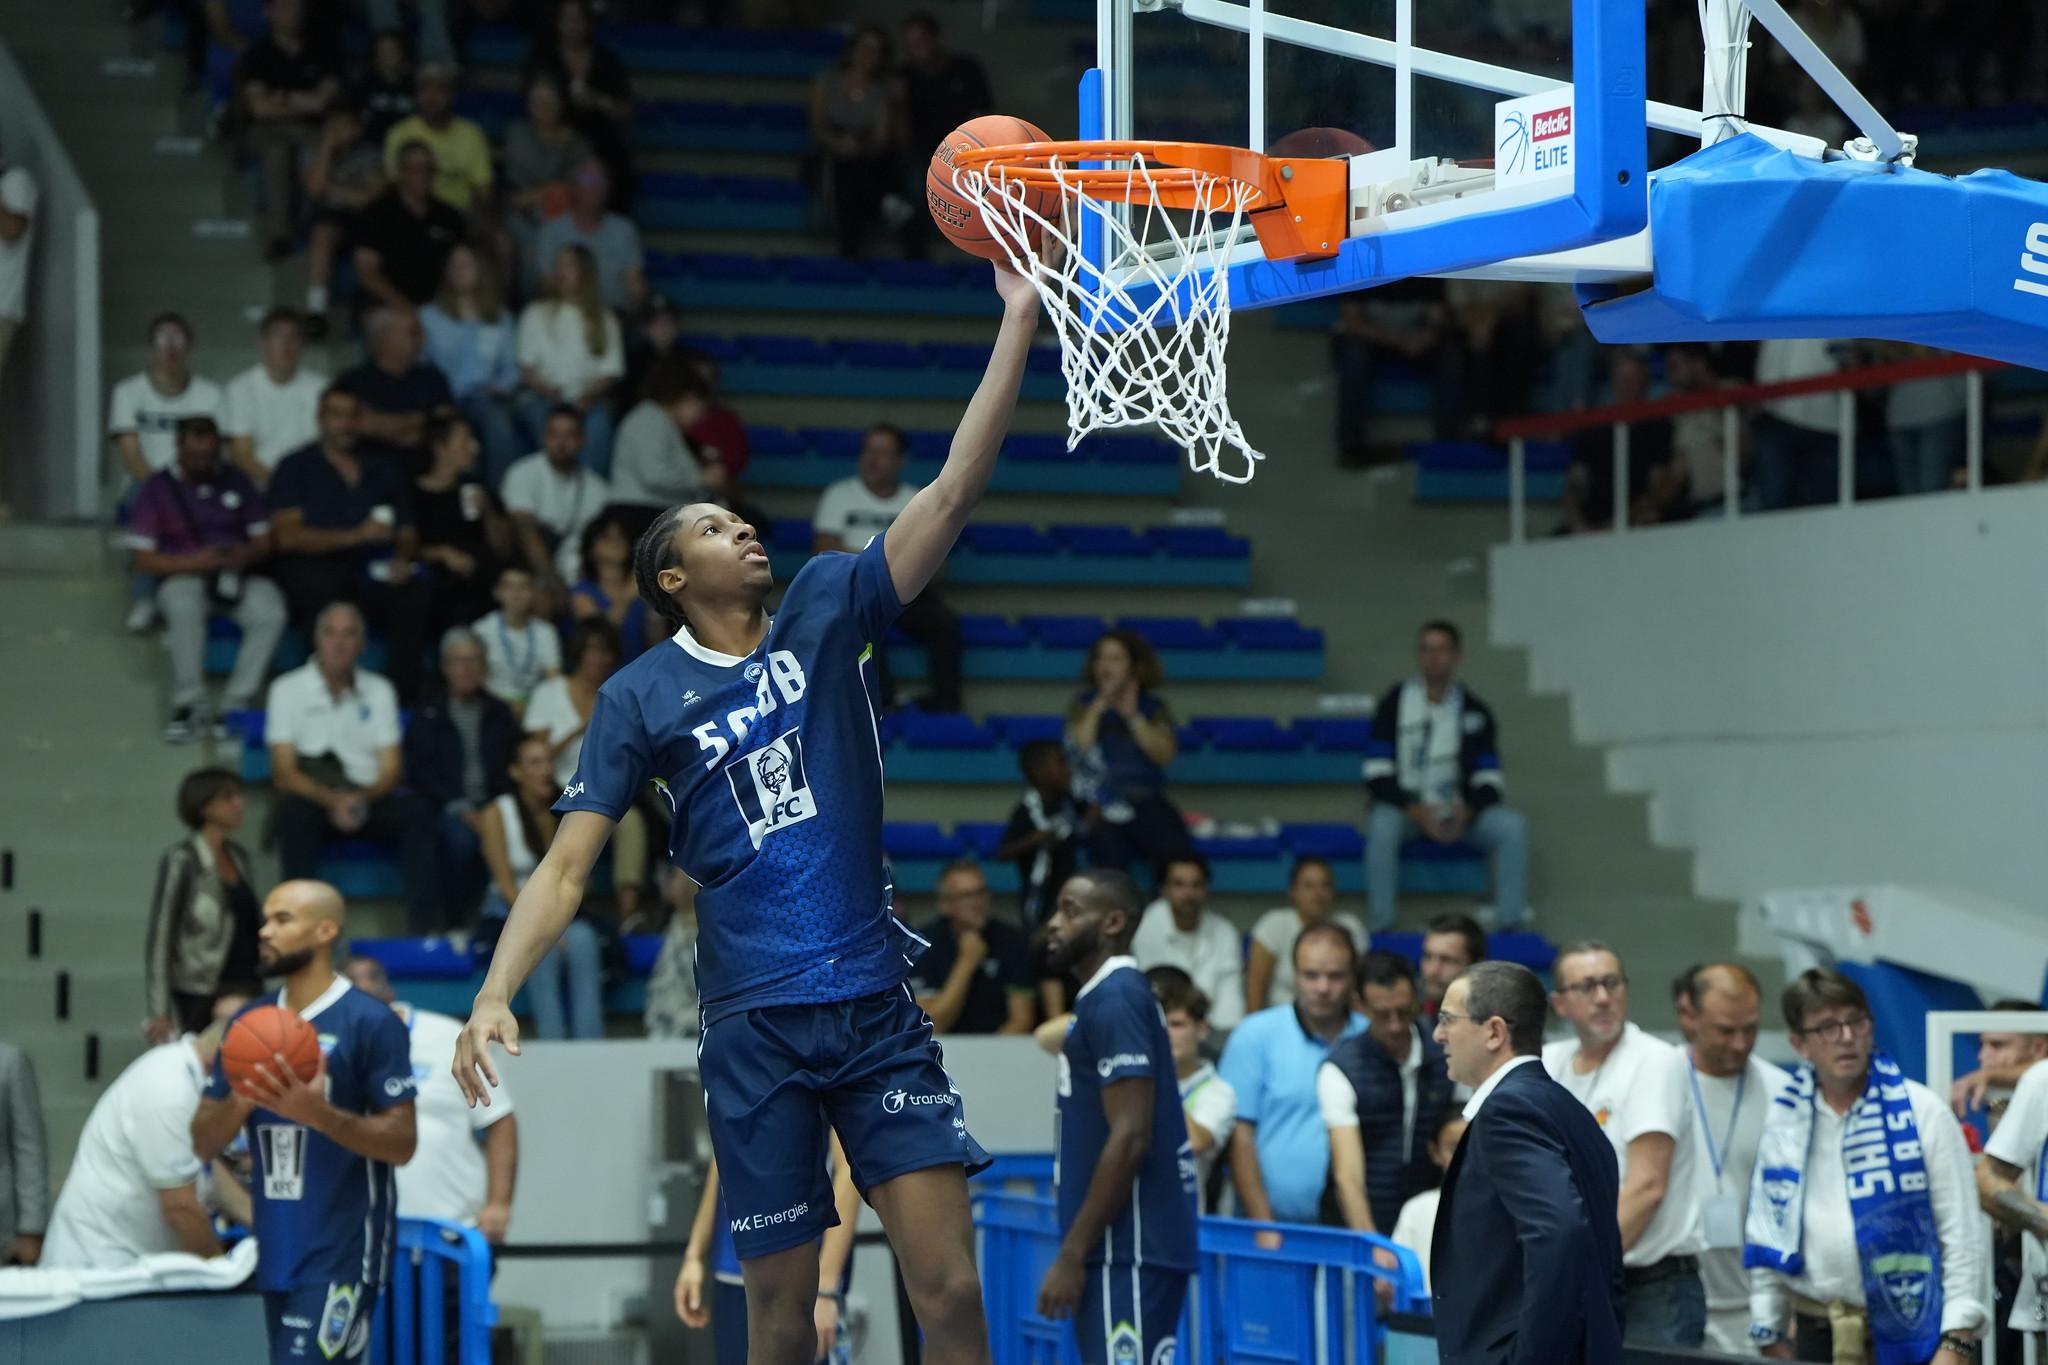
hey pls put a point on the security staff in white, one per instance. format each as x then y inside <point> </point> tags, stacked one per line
<point>1720,1006</point>
<point>134,1188</point>
<point>2012,1184</point>
<point>467,1160</point>
<point>1637,1089</point>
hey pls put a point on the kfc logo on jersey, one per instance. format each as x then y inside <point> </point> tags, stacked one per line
<point>283,1147</point>
<point>771,786</point>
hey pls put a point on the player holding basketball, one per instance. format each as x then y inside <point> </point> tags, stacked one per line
<point>1123,1165</point>
<point>326,1201</point>
<point>761,735</point>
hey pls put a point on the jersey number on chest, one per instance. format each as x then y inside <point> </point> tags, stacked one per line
<point>779,683</point>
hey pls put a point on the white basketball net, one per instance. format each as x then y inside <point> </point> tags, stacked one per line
<point>1142,335</point>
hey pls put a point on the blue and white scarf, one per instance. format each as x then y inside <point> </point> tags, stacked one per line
<point>1896,1238</point>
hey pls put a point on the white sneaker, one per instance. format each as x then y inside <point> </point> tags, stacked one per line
<point>141,617</point>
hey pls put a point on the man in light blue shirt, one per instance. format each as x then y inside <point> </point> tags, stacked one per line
<point>1280,1151</point>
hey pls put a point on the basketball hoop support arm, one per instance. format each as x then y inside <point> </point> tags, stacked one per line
<point>1836,86</point>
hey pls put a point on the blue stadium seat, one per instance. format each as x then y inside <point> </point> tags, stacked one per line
<point>1017,731</point>
<point>815,270</point>
<point>1008,538</point>
<point>1245,734</point>
<point>1335,734</point>
<point>903,839</point>
<point>1038,446</point>
<point>880,355</point>
<point>789,536</point>
<point>981,837</point>
<point>1338,843</point>
<point>1173,632</point>
<point>1065,632</point>
<point>788,350</point>
<point>1269,632</point>
<point>722,349</point>
<point>833,442</point>
<point>993,632</point>
<point>1132,450</point>
<point>1117,542</point>
<point>955,356</point>
<point>1246,848</point>
<point>775,441</point>
<point>1200,542</point>
<point>943,730</point>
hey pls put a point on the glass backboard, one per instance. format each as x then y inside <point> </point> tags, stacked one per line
<point>1483,135</point>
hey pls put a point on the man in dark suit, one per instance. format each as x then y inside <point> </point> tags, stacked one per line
<point>1526,1260</point>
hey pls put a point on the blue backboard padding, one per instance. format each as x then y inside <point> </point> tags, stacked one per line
<point>1755,242</point>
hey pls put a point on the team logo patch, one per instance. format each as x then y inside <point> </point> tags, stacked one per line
<point>283,1148</point>
<point>1124,1344</point>
<point>338,1320</point>
<point>771,787</point>
<point>1162,1354</point>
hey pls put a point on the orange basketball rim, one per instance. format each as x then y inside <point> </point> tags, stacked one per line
<point>1297,205</point>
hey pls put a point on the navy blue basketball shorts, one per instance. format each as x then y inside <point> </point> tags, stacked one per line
<point>776,1079</point>
<point>320,1323</point>
<point>1129,1316</point>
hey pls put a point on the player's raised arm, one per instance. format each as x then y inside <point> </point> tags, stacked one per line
<point>545,906</point>
<point>919,540</point>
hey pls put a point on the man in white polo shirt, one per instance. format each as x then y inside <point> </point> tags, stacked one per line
<point>553,497</point>
<point>1637,1089</point>
<point>467,1160</point>
<point>1178,930</point>
<point>134,1189</point>
<point>333,734</point>
<point>273,407</point>
<point>2012,1182</point>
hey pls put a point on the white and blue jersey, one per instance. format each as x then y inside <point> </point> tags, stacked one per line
<point>1119,1033</point>
<point>772,765</point>
<point>325,1216</point>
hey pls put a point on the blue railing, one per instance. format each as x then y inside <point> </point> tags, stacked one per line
<point>417,1323</point>
<point>1311,1297</point>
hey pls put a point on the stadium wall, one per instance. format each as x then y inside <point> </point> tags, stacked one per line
<point>1811,698</point>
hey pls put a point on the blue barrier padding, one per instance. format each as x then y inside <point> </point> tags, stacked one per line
<point>1754,242</point>
<point>1900,999</point>
<point>410,1327</point>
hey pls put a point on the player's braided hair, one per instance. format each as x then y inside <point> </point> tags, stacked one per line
<point>656,551</point>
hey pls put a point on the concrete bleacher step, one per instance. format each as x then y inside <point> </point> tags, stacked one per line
<point>38,990</point>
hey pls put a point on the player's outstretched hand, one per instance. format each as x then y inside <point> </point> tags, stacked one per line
<point>1061,1292</point>
<point>1016,291</point>
<point>488,1023</point>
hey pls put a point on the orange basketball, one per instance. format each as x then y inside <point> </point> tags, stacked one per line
<point>956,215</point>
<point>260,1036</point>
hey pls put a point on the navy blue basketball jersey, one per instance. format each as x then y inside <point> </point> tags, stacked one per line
<point>772,767</point>
<point>1118,1033</point>
<point>323,1214</point>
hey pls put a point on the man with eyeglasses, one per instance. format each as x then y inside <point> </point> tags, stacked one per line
<point>1720,1005</point>
<point>1862,1233</point>
<point>976,977</point>
<point>1637,1088</point>
<point>1525,1258</point>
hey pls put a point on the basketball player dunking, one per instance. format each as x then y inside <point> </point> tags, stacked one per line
<point>761,735</point>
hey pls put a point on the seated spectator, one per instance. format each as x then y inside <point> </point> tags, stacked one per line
<point>1179,930</point>
<point>464,533</point>
<point>1312,899</point>
<point>471,342</point>
<point>400,393</point>
<point>521,651</point>
<point>942,89</point>
<point>385,92</point>
<point>143,414</point>
<point>540,158</point>
<point>232,28</point>
<point>672,999</point>
<point>462,154</point>
<point>273,407</point>
<point>1046,833</point>
<point>342,179</point>
<point>1403,322</point>
<point>285,84</point>
<point>976,977</point>
<point>204,915</point>
<point>1280,1150</point>
<point>1696,478</point>
<point>558,711</point>
<point>436,43</point>
<point>1450,944</point>
<point>1381,1094</point>
<point>606,589</point>
<point>1415,1229</point>
<point>404,236</point>
<point>1589,492</point>
<point>653,466</point>
<point>857,133</point>
<point>553,498</point>
<point>571,351</point>
<point>1797,440</point>
<point>1433,771</point>
<point>1206,1099</point>
<point>610,238</point>
<point>24,1161</point>
<point>1925,425</point>
<point>332,728</point>
<point>1486,364</point>
<point>719,435</point>
<point>1121,733</point>
<point>197,530</point>
<point>853,511</point>
<point>600,96</point>
<point>458,750</point>
<point>134,1186</point>
<point>344,527</point>
<point>17,221</point>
